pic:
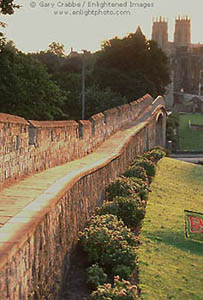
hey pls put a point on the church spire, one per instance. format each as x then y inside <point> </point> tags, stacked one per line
<point>139,31</point>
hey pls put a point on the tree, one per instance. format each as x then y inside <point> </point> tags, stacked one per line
<point>71,83</point>
<point>131,84</point>
<point>98,100</point>
<point>51,61</point>
<point>7,7</point>
<point>132,66</point>
<point>57,49</point>
<point>26,89</point>
<point>158,67</point>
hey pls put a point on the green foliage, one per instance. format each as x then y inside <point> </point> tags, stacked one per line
<point>164,150</point>
<point>7,7</point>
<point>120,187</point>
<point>26,89</point>
<point>99,100</point>
<point>128,186</point>
<point>71,84</point>
<point>96,276</point>
<point>67,73</point>
<point>140,186</point>
<point>122,271</point>
<point>109,208</point>
<point>57,49</point>
<point>147,164</point>
<point>130,210</point>
<point>108,242</point>
<point>121,290</point>
<point>50,60</point>
<point>96,99</point>
<point>136,171</point>
<point>132,66</point>
<point>2,40</point>
<point>155,154</point>
<point>132,84</point>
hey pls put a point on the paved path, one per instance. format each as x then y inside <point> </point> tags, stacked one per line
<point>20,195</point>
<point>192,158</point>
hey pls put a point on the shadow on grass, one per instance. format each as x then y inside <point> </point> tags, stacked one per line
<point>178,240</point>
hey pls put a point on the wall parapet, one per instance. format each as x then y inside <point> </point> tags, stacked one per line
<point>32,146</point>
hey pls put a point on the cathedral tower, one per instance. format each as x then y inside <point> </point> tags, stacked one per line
<point>182,34</point>
<point>160,32</point>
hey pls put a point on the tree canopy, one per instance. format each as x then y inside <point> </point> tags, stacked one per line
<point>7,7</point>
<point>48,84</point>
<point>26,89</point>
<point>132,66</point>
<point>57,49</point>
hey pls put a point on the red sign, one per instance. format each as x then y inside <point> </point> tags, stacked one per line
<point>196,224</point>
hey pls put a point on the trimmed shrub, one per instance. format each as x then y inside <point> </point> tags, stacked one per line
<point>137,171</point>
<point>127,187</point>
<point>121,290</point>
<point>107,241</point>
<point>96,276</point>
<point>108,207</point>
<point>165,150</point>
<point>147,164</point>
<point>122,186</point>
<point>130,210</point>
<point>155,154</point>
<point>122,271</point>
<point>140,186</point>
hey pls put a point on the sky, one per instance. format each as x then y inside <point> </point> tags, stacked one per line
<point>85,24</point>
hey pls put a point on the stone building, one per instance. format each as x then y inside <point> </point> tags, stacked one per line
<point>186,59</point>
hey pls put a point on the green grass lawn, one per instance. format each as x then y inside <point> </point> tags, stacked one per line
<point>171,267</point>
<point>190,139</point>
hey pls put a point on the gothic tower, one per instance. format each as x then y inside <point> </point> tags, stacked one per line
<point>160,32</point>
<point>182,32</point>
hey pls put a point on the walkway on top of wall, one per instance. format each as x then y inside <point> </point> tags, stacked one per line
<point>30,198</point>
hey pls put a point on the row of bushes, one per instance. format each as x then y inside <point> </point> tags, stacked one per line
<point>109,238</point>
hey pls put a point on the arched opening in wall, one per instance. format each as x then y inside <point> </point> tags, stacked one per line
<point>159,130</point>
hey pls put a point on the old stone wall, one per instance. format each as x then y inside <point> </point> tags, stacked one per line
<point>31,146</point>
<point>37,254</point>
<point>36,244</point>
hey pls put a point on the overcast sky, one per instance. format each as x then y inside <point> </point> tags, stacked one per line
<point>34,26</point>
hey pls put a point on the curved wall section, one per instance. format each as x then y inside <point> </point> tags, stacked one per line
<point>28,147</point>
<point>35,245</point>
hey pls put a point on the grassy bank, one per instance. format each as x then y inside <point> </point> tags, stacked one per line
<point>171,266</point>
<point>189,139</point>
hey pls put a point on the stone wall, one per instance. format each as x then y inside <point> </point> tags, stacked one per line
<point>36,244</point>
<point>38,250</point>
<point>31,146</point>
